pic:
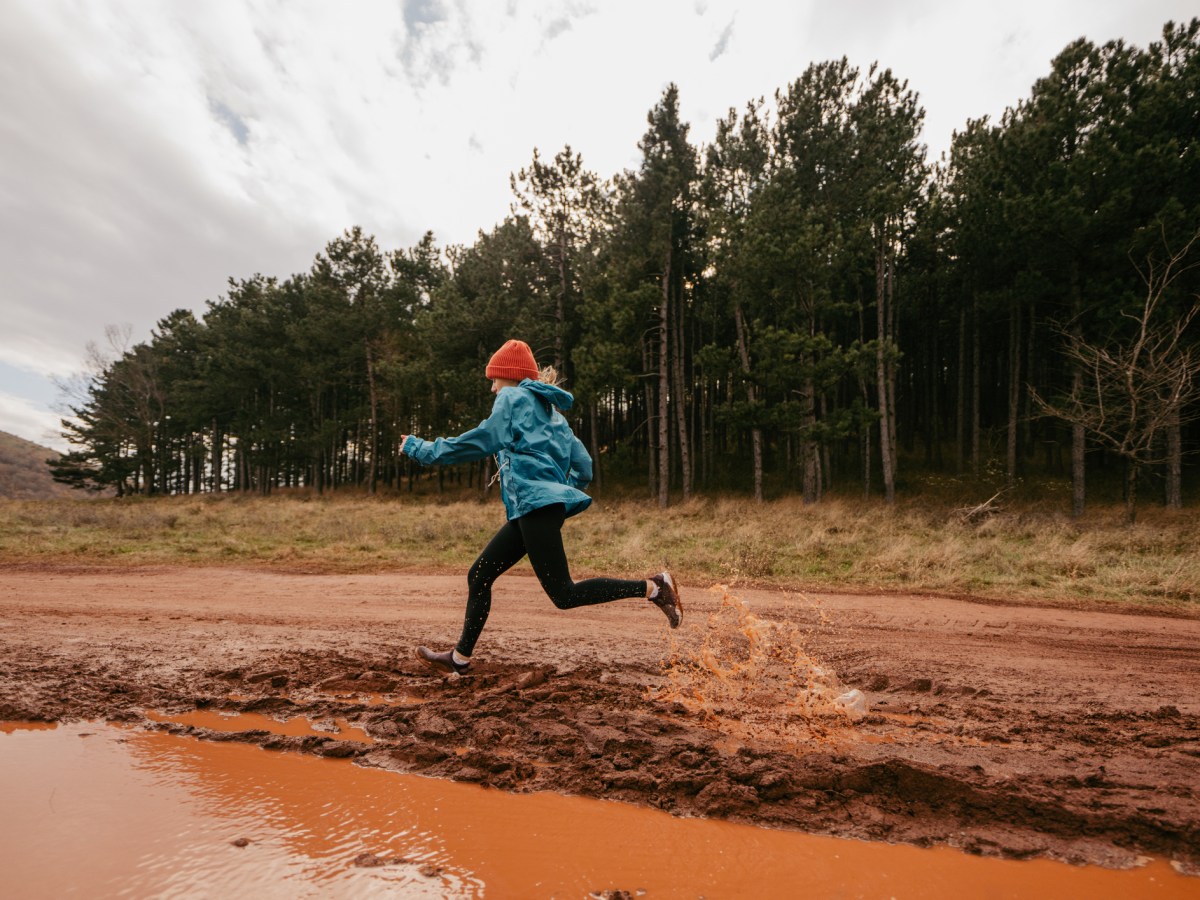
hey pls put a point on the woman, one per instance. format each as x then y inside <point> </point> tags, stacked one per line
<point>541,466</point>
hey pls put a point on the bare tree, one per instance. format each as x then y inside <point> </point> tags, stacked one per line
<point>1132,391</point>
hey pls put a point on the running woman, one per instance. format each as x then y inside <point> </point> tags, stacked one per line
<point>542,467</point>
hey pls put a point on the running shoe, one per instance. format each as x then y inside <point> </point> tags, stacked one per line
<point>666,598</point>
<point>442,662</point>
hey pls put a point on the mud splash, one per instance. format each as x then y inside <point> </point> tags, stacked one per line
<point>151,814</point>
<point>755,679</point>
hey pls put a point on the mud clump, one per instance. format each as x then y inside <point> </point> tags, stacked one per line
<point>371,861</point>
<point>276,679</point>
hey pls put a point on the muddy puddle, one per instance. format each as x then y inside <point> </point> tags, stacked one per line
<point>297,726</point>
<point>109,810</point>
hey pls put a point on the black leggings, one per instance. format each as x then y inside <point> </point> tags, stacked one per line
<point>538,534</point>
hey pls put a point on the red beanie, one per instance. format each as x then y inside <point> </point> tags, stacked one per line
<point>513,361</point>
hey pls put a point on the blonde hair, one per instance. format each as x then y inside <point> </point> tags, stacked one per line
<point>549,375</point>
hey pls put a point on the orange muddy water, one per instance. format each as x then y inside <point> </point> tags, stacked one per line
<point>104,810</point>
<point>238,721</point>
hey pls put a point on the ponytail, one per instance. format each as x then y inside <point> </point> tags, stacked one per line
<point>549,375</point>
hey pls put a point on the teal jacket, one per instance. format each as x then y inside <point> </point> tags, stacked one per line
<point>540,460</point>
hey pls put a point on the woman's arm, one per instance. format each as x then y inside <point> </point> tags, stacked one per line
<point>485,439</point>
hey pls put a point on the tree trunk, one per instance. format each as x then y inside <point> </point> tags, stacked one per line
<point>756,444</point>
<point>1014,392</point>
<point>866,451</point>
<point>560,355</point>
<point>960,411</point>
<point>890,363</point>
<point>1174,498</point>
<point>149,476</point>
<point>976,388</point>
<point>681,406</point>
<point>594,418</point>
<point>218,462</point>
<point>1132,471</point>
<point>809,449</point>
<point>244,461</point>
<point>664,388</point>
<point>651,431</point>
<point>373,437</point>
<point>183,467</point>
<point>886,449</point>
<point>811,484</point>
<point>929,385</point>
<point>823,457</point>
<point>1078,435</point>
<point>1028,440</point>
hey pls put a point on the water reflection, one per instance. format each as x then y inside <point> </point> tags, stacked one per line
<point>322,813</point>
<point>123,812</point>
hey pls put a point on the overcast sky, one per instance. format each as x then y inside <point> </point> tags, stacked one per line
<point>150,149</point>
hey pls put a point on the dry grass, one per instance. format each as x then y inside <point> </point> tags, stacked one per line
<point>1032,553</point>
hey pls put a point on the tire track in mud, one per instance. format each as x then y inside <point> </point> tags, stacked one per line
<point>960,747</point>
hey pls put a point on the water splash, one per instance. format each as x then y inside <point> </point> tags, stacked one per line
<point>754,677</point>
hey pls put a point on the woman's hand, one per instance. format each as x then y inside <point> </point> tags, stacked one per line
<point>403,438</point>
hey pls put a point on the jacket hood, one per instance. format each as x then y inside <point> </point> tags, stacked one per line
<point>555,396</point>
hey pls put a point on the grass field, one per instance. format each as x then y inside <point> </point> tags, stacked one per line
<point>1028,553</point>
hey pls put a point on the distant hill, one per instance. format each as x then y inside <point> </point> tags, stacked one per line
<point>24,474</point>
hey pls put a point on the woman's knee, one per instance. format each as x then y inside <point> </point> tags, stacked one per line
<point>482,576</point>
<point>561,593</point>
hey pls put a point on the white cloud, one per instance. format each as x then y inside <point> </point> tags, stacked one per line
<point>722,43</point>
<point>25,419</point>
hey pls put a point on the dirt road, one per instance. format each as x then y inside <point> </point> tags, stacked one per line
<point>1000,729</point>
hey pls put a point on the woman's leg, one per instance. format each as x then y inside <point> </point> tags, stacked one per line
<point>541,531</point>
<point>502,553</point>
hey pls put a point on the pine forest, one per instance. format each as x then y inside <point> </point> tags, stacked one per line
<point>807,304</point>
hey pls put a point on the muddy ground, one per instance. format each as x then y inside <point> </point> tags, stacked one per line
<point>1001,729</point>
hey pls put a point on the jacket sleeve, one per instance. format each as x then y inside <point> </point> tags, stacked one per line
<point>488,437</point>
<point>580,475</point>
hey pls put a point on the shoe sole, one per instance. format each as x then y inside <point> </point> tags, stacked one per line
<point>677,605</point>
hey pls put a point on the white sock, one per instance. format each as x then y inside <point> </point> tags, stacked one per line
<point>653,590</point>
<point>458,658</point>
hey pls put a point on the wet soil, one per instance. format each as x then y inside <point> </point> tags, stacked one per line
<point>1003,730</point>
